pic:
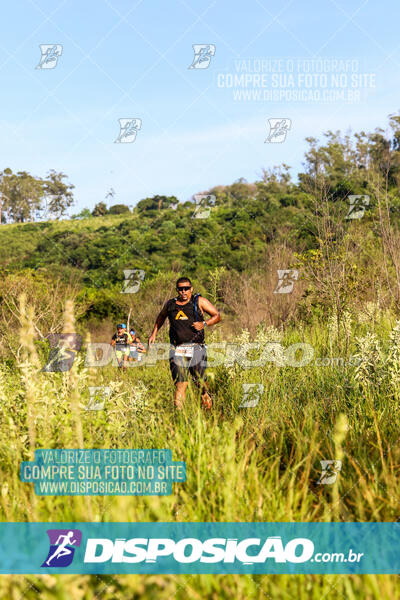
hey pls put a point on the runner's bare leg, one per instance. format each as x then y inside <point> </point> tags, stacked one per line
<point>180,394</point>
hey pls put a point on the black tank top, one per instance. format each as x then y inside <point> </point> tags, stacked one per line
<point>121,341</point>
<point>181,319</point>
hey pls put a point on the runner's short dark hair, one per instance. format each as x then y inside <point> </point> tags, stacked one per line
<point>182,280</point>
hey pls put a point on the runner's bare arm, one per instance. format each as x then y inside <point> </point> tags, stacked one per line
<point>158,324</point>
<point>206,306</point>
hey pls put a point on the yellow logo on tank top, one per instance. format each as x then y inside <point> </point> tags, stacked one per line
<point>180,316</point>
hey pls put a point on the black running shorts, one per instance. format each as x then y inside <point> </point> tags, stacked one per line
<point>182,366</point>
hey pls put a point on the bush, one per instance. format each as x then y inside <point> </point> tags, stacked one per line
<point>118,209</point>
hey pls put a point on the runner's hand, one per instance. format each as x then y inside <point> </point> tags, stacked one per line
<point>198,325</point>
<point>152,339</point>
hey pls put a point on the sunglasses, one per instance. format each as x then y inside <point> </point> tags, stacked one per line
<point>183,288</point>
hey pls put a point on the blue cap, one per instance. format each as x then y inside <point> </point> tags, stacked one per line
<point>121,326</point>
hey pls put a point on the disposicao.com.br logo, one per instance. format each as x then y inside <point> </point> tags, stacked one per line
<point>213,550</point>
<point>199,547</point>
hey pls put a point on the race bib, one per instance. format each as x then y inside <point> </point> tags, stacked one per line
<point>186,351</point>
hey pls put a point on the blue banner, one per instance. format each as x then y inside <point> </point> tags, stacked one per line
<point>215,548</point>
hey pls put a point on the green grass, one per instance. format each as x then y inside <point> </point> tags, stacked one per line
<point>254,464</point>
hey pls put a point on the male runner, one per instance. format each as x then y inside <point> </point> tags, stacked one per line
<point>121,341</point>
<point>186,334</point>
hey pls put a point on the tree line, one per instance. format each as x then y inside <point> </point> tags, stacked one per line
<point>343,165</point>
<point>24,197</point>
<point>249,229</point>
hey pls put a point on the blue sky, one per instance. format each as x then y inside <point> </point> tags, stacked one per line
<point>125,59</point>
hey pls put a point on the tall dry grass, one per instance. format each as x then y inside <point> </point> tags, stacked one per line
<point>255,464</point>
